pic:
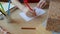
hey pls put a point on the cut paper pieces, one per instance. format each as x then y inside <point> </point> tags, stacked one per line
<point>38,12</point>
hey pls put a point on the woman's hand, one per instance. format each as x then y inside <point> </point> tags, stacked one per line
<point>31,13</point>
<point>41,4</point>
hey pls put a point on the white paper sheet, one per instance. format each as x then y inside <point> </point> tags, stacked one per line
<point>23,15</point>
<point>38,12</point>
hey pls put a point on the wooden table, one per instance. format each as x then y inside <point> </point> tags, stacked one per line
<point>54,15</point>
<point>15,28</point>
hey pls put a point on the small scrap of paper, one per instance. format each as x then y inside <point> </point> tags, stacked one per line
<point>39,11</point>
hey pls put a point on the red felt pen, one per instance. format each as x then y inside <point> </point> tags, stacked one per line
<point>26,3</point>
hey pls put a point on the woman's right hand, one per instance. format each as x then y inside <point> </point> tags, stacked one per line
<point>31,13</point>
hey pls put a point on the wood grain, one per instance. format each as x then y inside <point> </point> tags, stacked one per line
<point>53,23</point>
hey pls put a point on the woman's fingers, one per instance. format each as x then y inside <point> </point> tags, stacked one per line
<point>38,5</point>
<point>31,13</point>
<point>41,4</point>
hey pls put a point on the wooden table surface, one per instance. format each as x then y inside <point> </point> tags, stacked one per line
<point>15,28</point>
<point>54,15</point>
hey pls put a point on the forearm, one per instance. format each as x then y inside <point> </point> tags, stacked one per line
<point>19,5</point>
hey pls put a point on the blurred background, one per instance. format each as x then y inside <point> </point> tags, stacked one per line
<point>32,1</point>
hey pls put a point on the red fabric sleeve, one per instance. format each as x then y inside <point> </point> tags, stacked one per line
<point>25,0</point>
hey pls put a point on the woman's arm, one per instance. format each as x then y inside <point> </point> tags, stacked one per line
<point>19,5</point>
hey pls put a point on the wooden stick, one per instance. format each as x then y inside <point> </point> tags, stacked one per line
<point>28,28</point>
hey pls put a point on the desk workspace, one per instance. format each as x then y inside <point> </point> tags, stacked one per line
<point>27,24</point>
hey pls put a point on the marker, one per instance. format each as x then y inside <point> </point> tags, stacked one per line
<point>2,10</point>
<point>1,6</point>
<point>8,12</point>
<point>26,3</point>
